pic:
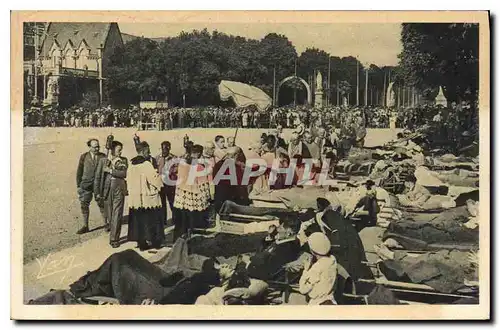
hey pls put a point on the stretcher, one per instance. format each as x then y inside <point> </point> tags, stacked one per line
<point>421,293</point>
<point>241,224</point>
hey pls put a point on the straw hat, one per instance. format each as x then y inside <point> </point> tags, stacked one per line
<point>319,244</point>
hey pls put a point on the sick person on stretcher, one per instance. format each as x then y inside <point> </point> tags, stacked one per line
<point>317,282</point>
<point>418,196</point>
<point>279,247</point>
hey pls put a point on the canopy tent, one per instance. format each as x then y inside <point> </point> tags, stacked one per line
<point>244,95</point>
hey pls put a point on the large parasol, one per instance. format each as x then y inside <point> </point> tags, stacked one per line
<point>244,95</point>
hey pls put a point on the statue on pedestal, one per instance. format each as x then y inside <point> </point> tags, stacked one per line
<point>390,97</point>
<point>318,94</point>
<point>319,82</point>
<point>52,90</point>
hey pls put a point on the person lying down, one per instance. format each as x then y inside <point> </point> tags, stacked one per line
<point>445,271</point>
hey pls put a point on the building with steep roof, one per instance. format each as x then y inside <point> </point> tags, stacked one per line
<point>73,59</point>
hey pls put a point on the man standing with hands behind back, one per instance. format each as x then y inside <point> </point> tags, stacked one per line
<point>85,175</point>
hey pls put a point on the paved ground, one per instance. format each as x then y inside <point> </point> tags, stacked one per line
<point>51,207</point>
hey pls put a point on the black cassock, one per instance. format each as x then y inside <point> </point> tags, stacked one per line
<point>347,246</point>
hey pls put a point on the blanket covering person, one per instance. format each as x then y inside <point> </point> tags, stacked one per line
<point>267,263</point>
<point>445,271</point>
<point>125,276</point>
<point>447,229</point>
<point>178,278</point>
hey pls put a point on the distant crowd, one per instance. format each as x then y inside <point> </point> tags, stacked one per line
<point>207,117</point>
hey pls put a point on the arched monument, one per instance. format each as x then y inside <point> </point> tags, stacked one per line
<point>306,85</point>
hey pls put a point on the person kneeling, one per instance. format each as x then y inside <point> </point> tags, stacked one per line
<point>319,275</point>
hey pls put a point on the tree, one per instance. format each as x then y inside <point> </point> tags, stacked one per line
<point>90,100</point>
<point>192,64</point>
<point>441,54</point>
<point>136,71</point>
<point>278,51</point>
<point>344,88</point>
<point>311,60</point>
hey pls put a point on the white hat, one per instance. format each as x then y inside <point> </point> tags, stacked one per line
<point>319,244</point>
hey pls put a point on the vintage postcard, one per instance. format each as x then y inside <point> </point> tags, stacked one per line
<point>250,165</point>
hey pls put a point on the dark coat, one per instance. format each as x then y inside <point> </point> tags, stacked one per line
<point>346,244</point>
<point>85,173</point>
<point>102,181</point>
<point>264,265</point>
<point>224,191</point>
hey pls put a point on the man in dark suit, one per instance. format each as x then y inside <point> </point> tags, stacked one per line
<point>85,175</point>
<point>110,186</point>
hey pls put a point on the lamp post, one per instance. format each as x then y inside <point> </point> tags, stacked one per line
<point>274,85</point>
<point>366,83</point>
<point>357,81</point>
<point>99,59</point>
<point>328,95</point>
<point>35,64</point>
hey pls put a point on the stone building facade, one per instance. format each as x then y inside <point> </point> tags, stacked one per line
<point>72,60</point>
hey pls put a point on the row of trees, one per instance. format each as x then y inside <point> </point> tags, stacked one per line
<point>440,54</point>
<point>188,68</point>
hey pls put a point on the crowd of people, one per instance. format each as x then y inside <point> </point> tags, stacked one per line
<point>111,178</point>
<point>319,244</point>
<point>217,178</point>
<point>171,118</point>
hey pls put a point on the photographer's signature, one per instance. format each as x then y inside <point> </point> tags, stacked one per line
<point>51,265</point>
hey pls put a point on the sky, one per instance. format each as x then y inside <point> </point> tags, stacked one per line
<point>372,43</point>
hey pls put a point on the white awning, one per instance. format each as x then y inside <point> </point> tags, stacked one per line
<point>244,95</point>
